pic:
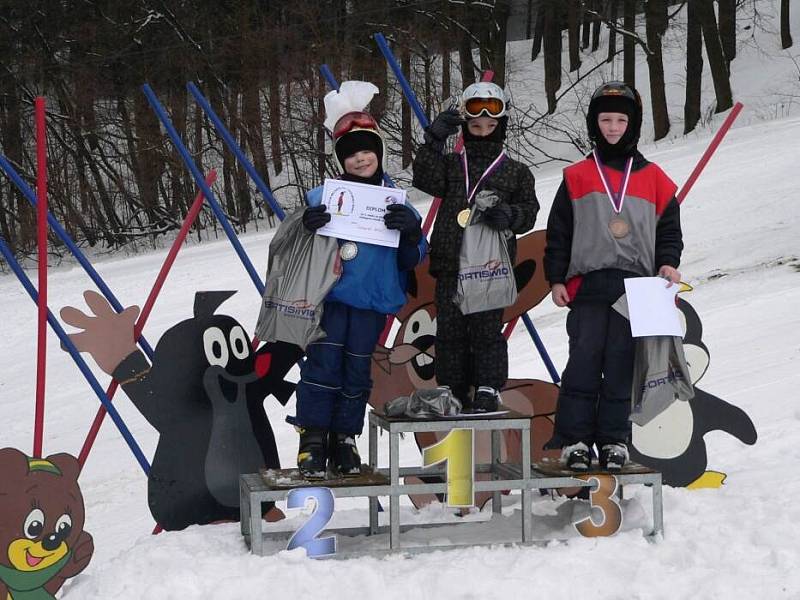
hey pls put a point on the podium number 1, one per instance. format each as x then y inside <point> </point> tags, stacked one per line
<point>457,449</point>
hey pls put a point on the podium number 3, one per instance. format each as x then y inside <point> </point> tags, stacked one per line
<point>602,497</point>
<point>457,449</point>
<point>306,536</point>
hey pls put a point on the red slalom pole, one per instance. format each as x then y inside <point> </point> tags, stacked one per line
<point>712,147</point>
<point>191,216</point>
<point>41,235</point>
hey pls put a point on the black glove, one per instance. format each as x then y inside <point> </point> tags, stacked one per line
<point>444,125</point>
<point>402,218</point>
<point>498,216</point>
<point>315,217</point>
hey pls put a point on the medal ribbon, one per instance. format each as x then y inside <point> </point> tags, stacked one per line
<point>489,170</point>
<point>616,200</point>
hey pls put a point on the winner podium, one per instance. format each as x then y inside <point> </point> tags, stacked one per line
<point>376,482</point>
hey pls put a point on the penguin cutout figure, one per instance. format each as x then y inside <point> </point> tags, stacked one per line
<point>204,394</point>
<point>673,442</point>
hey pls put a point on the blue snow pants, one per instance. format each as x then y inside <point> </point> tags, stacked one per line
<point>335,380</point>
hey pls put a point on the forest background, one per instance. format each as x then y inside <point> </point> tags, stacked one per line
<point>117,183</point>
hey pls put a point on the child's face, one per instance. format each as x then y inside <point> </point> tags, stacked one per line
<point>481,126</point>
<point>363,163</point>
<point>612,125</point>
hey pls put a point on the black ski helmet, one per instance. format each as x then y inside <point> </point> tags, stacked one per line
<point>615,96</point>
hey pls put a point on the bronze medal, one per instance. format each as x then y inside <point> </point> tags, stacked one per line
<point>463,217</point>
<point>619,227</point>
<point>348,251</point>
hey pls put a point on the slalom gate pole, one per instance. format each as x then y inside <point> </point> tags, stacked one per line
<point>540,347</point>
<point>29,194</point>
<point>190,218</point>
<point>76,356</point>
<point>237,151</point>
<point>41,242</point>
<point>398,73</point>
<point>207,192</point>
<point>712,147</point>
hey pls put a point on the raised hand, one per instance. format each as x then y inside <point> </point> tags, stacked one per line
<point>107,336</point>
<point>402,218</point>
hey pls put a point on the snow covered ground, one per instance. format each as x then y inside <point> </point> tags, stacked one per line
<point>741,229</point>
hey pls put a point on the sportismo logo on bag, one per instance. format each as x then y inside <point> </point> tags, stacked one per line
<point>654,382</point>
<point>492,269</point>
<point>301,309</point>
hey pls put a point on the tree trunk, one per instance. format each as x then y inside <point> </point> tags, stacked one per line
<point>538,31</point>
<point>573,33</point>
<point>552,53</point>
<point>406,145</point>
<point>727,29</point>
<point>613,9</point>
<point>656,24</point>
<point>465,58</point>
<point>628,45</point>
<point>445,49</point>
<point>586,31</point>
<point>273,81</point>
<point>251,116</point>
<point>716,60</point>
<point>694,67</point>
<point>786,30</point>
<point>596,24</point>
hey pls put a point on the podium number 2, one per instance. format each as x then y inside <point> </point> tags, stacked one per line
<point>602,497</point>
<point>457,449</point>
<point>306,536</point>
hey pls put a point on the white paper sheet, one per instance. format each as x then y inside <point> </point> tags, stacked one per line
<point>357,211</point>
<point>651,306</point>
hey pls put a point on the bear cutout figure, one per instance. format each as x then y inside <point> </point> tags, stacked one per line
<point>42,541</point>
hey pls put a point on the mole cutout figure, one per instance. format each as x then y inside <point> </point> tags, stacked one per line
<point>204,393</point>
<point>410,364</point>
<point>42,541</point>
<point>673,442</point>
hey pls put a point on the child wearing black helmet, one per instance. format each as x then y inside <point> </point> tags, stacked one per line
<point>614,216</point>
<point>471,351</point>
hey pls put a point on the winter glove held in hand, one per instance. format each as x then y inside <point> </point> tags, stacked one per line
<point>315,217</point>
<point>444,125</point>
<point>402,218</point>
<point>498,217</point>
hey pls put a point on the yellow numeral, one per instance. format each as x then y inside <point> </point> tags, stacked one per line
<point>457,448</point>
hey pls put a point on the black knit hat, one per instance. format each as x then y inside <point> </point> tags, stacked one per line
<point>357,140</point>
<point>616,97</point>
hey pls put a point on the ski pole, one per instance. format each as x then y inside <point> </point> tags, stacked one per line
<point>207,192</point>
<point>237,151</point>
<point>76,356</point>
<point>29,194</point>
<point>195,209</point>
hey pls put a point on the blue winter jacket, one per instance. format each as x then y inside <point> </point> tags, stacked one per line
<point>376,278</point>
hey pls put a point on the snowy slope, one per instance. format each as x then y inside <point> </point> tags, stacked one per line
<point>741,229</point>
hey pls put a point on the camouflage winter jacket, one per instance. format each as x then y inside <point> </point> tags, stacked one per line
<point>443,176</point>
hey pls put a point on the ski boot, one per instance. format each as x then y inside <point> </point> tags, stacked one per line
<point>312,457</point>
<point>487,399</point>
<point>576,457</point>
<point>613,456</point>
<point>344,454</point>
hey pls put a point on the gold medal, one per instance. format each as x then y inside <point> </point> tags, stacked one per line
<point>618,227</point>
<point>463,217</point>
<point>348,251</point>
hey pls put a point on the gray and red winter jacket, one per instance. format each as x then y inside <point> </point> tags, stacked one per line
<point>579,240</point>
<point>443,176</point>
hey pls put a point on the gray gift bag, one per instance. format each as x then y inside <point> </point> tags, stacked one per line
<point>302,269</point>
<point>485,273</point>
<point>660,373</point>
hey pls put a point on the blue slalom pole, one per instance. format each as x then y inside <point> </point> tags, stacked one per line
<point>398,72</point>
<point>540,347</point>
<point>201,183</point>
<point>237,151</point>
<point>30,195</point>
<point>76,356</point>
<point>328,75</point>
